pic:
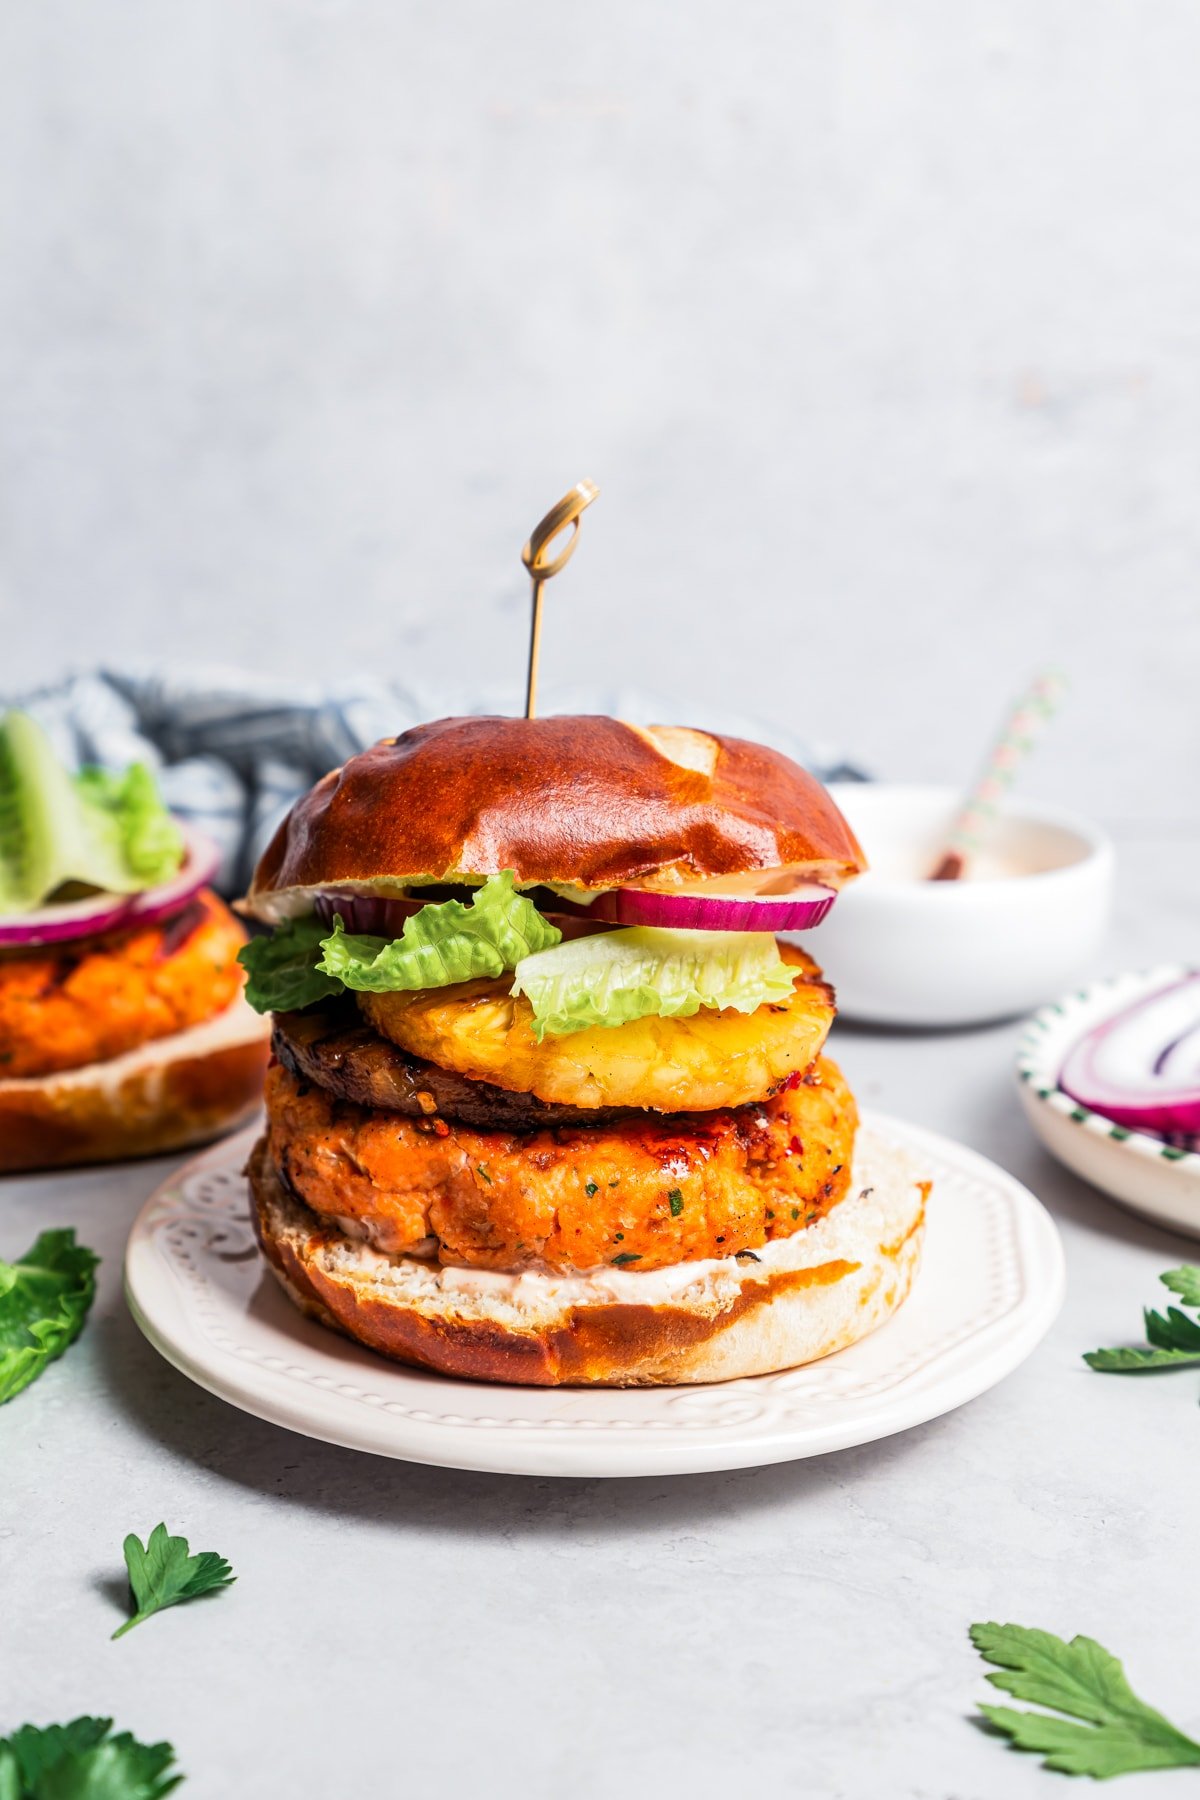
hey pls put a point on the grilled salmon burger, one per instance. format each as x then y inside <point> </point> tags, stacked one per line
<point>548,1100</point>
<point>123,1030</point>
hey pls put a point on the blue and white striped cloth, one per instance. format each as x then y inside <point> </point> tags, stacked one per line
<point>233,751</point>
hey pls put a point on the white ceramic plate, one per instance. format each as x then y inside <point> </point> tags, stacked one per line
<point>990,1285</point>
<point>1155,1179</point>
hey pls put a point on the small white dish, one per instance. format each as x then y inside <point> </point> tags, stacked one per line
<point>989,1287</point>
<point>903,950</point>
<point>1152,1178</point>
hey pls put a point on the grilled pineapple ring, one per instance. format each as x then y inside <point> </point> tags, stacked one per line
<point>712,1059</point>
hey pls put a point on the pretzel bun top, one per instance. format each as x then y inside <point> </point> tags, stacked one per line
<point>587,802</point>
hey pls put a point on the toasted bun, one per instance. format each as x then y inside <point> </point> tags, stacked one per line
<point>176,1091</point>
<point>805,1296</point>
<point>588,801</point>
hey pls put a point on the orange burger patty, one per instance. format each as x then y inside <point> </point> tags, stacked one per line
<point>641,1193</point>
<point>90,999</point>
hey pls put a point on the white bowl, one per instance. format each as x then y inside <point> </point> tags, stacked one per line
<point>903,950</point>
<point>1158,1180</point>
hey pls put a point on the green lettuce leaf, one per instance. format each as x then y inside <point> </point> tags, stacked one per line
<point>96,828</point>
<point>44,1300</point>
<point>126,812</point>
<point>443,943</point>
<point>281,969</point>
<point>617,976</point>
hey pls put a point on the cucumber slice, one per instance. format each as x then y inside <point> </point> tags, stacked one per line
<point>36,802</point>
<point>618,976</point>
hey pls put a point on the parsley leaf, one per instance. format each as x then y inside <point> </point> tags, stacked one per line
<point>1118,1733</point>
<point>1174,1331</point>
<point>1174,1339</point>
<point>627,1256</point>
<point>161,1573</point>
<point>675,1197</point>
<point>44,1300</point>
<point>1185,1282</point>
<point>83,1761</point>
<point>1136,1362</point>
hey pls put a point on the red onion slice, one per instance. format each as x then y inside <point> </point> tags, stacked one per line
<point>57,924</point>
<point>798,911</point>
<point>373,915</point>
<point>1141,1068</point>
<point>380,916</point>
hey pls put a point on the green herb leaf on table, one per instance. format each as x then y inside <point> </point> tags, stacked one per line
<point>1185,1282</point>
<point>162,1572</point>
<point>1173,1331</point>
<point>1107,1729</point>
<point>44,1300</point>
<point>83,1761</point>
<point>1131,1361</point>
<point>1174,1339</point>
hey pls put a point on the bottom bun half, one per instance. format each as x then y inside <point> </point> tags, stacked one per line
<point>801,1298</point>
<point>165,1095</point>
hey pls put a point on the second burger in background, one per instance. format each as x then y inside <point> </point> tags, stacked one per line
<point>123,1031</point>
<point>549,1102</point>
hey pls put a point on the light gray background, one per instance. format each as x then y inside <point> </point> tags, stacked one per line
<point>879,326</point>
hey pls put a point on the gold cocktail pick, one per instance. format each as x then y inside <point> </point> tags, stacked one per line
<point>542,567</point>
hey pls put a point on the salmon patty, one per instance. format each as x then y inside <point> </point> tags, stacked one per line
<point>95,998</point>
<point>639,1193</point>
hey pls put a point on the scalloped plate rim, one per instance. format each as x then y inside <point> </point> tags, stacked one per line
<point>1155,1180</point>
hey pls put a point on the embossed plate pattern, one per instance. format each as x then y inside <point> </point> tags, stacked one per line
<point>990,1285</point>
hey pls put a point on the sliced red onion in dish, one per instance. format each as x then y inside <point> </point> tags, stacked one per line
<point>57,924</point>
<point>1141,1068</point>
<point>694,911</point>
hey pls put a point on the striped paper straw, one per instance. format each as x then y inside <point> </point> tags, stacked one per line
<point>1022,729</point>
